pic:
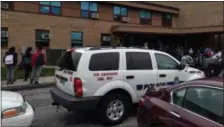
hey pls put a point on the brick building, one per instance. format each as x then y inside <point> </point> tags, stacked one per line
<point>61,25</point>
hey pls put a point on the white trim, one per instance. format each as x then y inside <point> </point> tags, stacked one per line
<point>171,101</point>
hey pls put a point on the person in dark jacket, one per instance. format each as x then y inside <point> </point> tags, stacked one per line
<point>27,62</point>
<point>10,60</point>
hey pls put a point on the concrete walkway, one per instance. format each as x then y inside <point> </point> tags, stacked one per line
<point>20,81</point>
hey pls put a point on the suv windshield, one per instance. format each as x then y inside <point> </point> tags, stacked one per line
<point>69,60</point>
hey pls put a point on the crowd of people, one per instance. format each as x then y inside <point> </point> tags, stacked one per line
<point>31,63</point>
<point>193,57</point>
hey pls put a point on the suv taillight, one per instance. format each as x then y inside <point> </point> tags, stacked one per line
<point>78,87</point>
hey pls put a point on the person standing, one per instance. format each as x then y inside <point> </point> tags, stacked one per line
<point>10,60</point>
<point>38,59</point>
<point>191,52</point>
<point>179,53</point>
<point>27,62</point>
<point>187,59</point>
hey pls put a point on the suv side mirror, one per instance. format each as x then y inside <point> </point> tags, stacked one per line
<point>181,66</point>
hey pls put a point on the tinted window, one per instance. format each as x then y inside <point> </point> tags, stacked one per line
<point>104,61</point>
<point>138,61</point>
<point>50,7</point>
<point>44,9</point>
<point>56,10</point>
<point>165,62</point>
<point>88,8</point>
<point>69,60</point>
<point>178,96</point>
<point>207,102</point>
<point>145,14</point>
<point>4,37</point>
<point>119,11</point>
<point>167,20</point>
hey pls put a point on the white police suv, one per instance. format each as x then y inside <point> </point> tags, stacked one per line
<point>112,79</point>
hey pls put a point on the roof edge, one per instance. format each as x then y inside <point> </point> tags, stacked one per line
<point>157,5</point>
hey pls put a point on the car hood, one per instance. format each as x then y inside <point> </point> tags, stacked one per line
<point>11,100</point>
<point>192,70</point>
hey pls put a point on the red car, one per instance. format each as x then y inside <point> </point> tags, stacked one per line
<point>197,103</point>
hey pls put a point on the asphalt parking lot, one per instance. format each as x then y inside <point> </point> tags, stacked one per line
<point>46,115</point>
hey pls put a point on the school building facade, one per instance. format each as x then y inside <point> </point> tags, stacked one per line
<point>61,25</point>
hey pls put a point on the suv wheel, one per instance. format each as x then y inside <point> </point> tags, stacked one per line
<point>114,108</point>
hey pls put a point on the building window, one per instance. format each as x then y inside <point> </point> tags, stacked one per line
<point>76,39</point>
<point>167,20</point>
<point>87,8</point>
<point>47,7</point>
<point>7,5</point>
<point>119,12</point>
<point>105,39</point>
<point>145,17</point>
<point>43,38</point>
<point>4,37</point>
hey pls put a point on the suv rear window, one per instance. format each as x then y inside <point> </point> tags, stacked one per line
<point>104,61</point>
<point>69,60</point>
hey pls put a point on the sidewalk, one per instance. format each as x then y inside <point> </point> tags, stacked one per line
<point>24,85</point>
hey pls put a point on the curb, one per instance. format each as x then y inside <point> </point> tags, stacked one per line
<point>27,86</point>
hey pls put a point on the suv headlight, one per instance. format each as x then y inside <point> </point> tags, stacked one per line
<point>14,111</point>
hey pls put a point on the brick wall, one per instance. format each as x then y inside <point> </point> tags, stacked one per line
<point>23,22</point>
<point>22,26</point>
<point>197,14</point>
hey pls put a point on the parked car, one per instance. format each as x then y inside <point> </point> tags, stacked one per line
<point>112,79</point>
<point>214,64</point>
<point>15,110</point>
<point>197,103</point>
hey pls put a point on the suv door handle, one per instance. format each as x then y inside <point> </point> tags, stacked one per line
<point>130,77</point>
<point>162,75</point>
<point>174,114</point>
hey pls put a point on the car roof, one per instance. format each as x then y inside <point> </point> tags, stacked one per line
<point>95,49</point>
<point>212,82</point>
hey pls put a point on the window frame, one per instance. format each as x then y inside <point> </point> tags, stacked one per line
<point>178,63</point>
<point>48,40</point>
<point>165,21</point>
<point>119,15</point>
<point>145,21</point>
<point>77,40</point>
<point>186,87</point>
<point>88,11</point>
<point>105,42</point>
<point>10,3</point>
<point>6,38</point>
<point>118,62</point>
<point>50,8</point>
<point>126,58</point>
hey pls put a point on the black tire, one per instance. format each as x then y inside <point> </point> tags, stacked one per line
<point>106,101</point>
